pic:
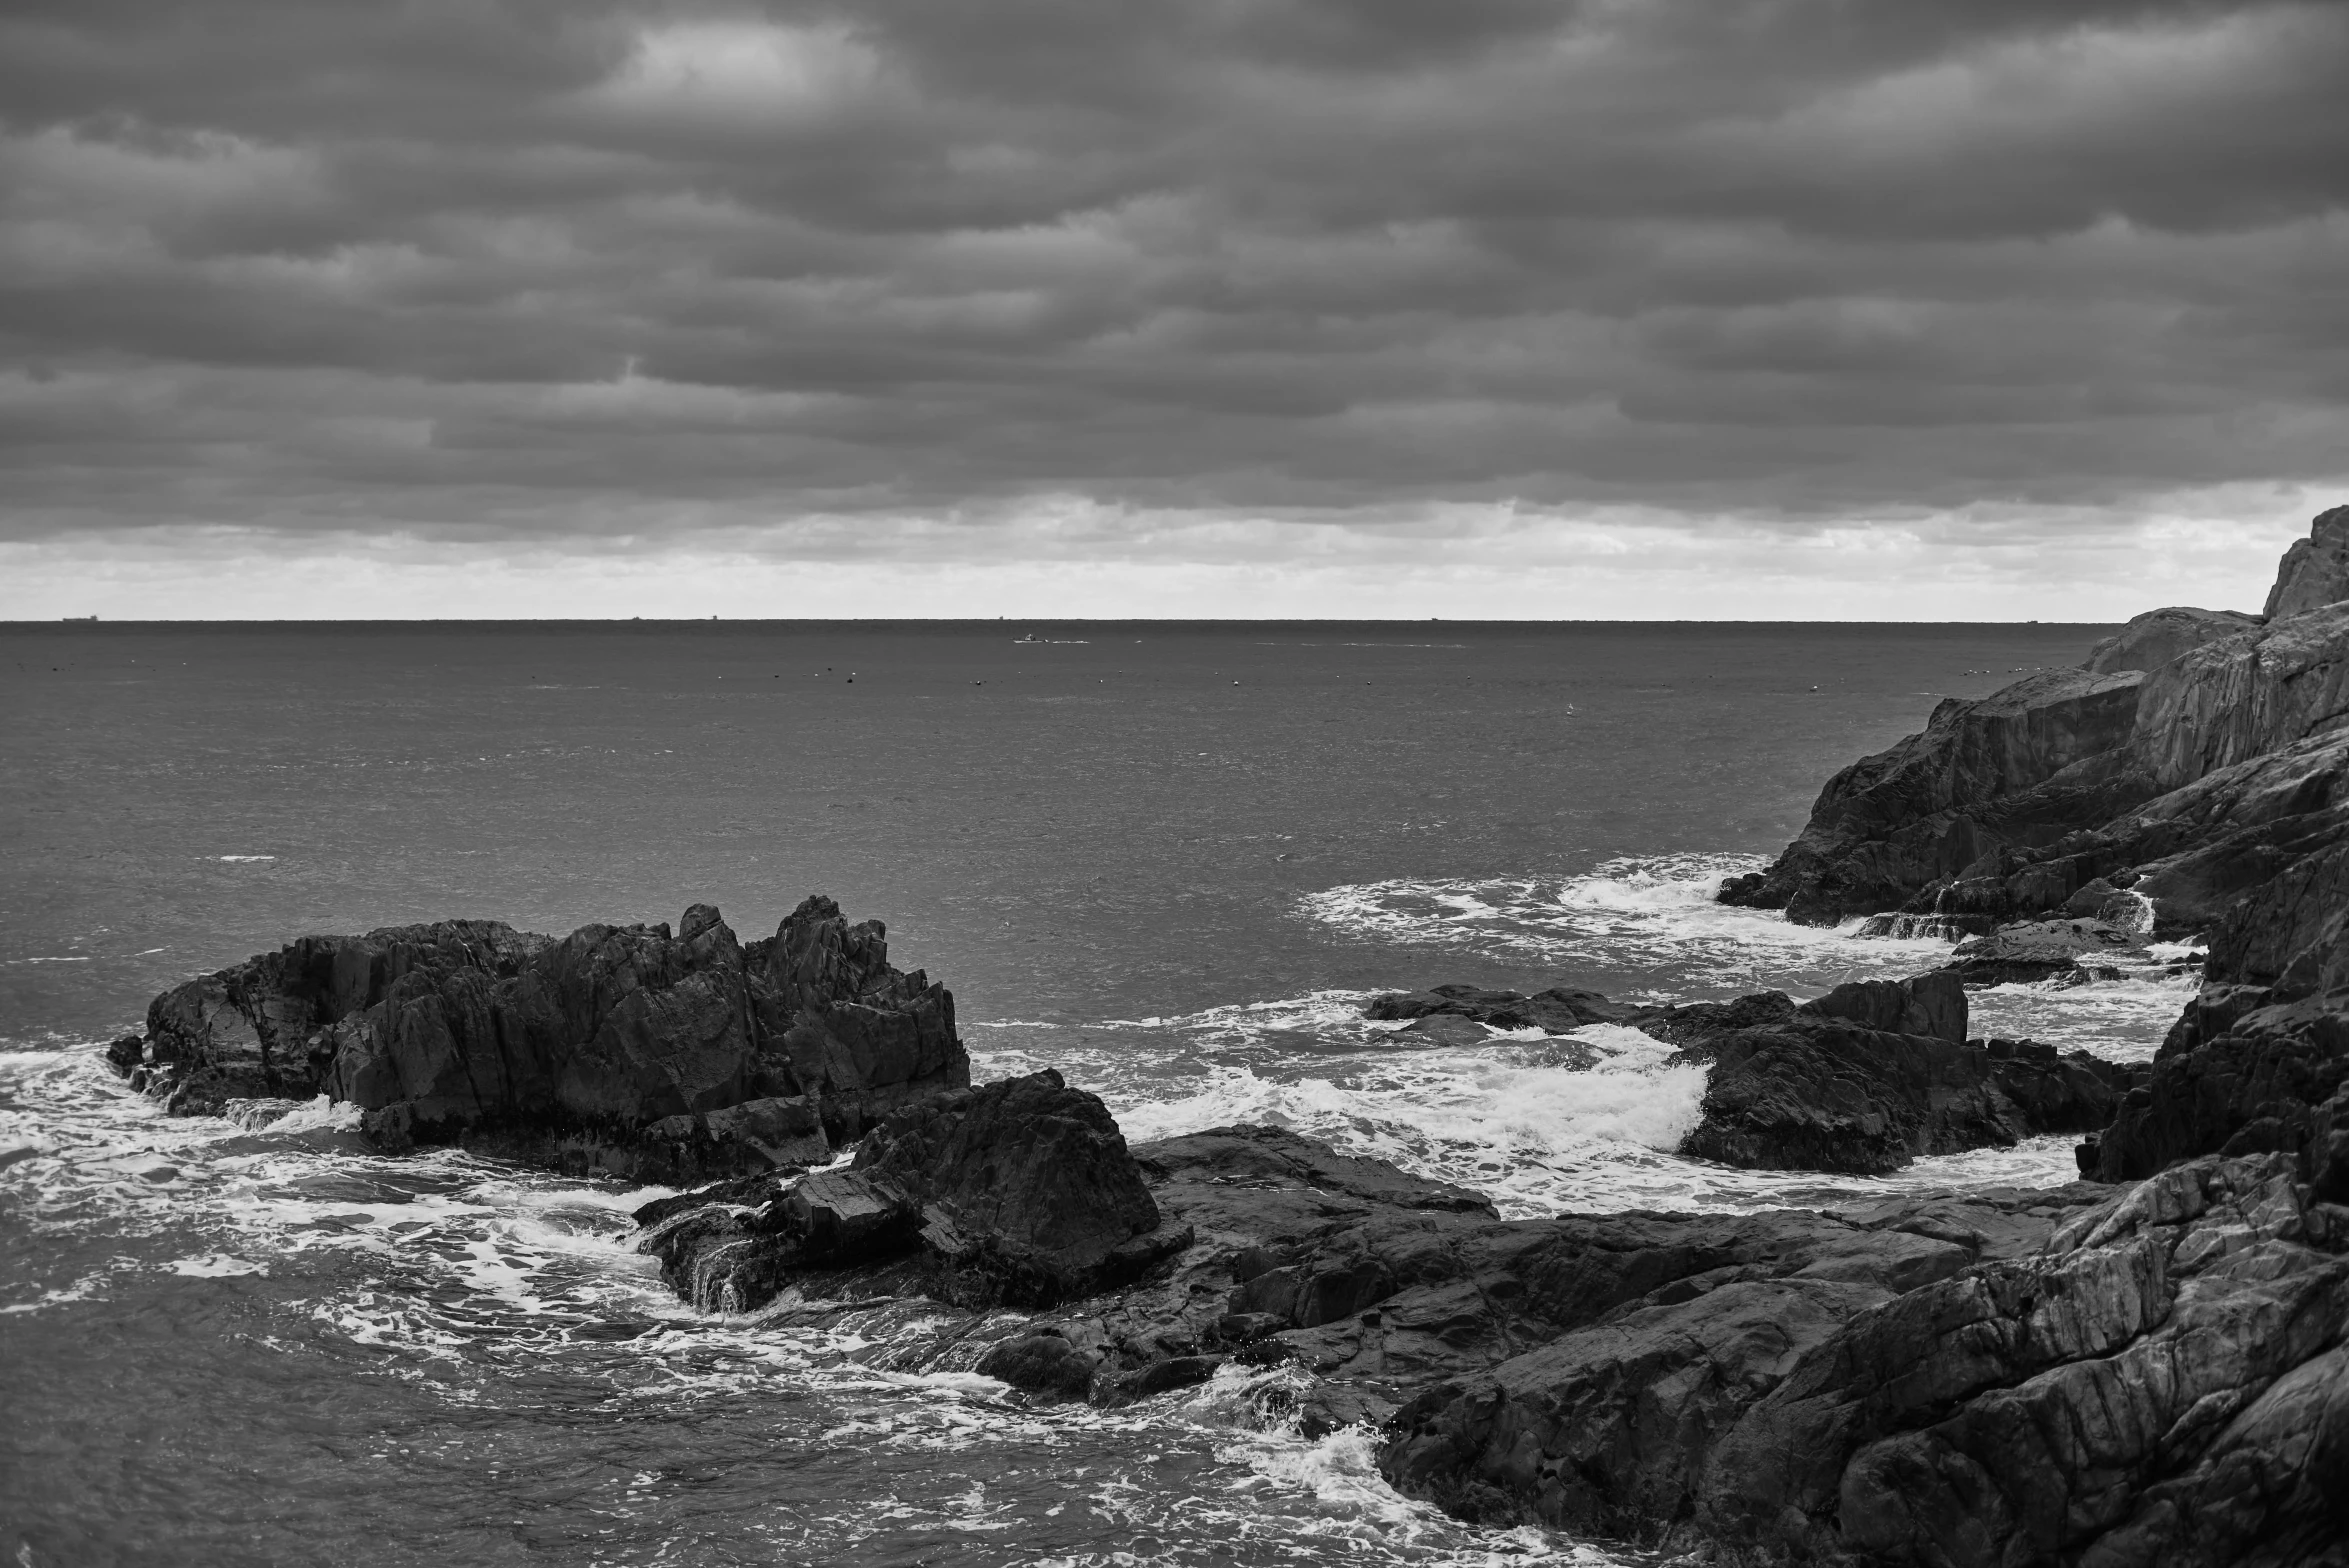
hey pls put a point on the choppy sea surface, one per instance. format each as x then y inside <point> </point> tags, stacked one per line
<point>1170,861</point>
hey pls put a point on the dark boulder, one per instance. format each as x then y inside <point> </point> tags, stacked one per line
<point>1931,1006</point>
<point>1021,1191</point>
<point>1832,1097</point>
<point>621,1048</point>
<point>2041,950</point>
<point>1042,1363</point>
<point>1863,1080</point>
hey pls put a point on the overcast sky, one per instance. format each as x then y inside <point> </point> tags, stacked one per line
<point>1840,308</point>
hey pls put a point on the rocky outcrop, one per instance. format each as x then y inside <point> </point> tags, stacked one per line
<point>1863,1080</point>
<point>1258,1248</point>
<point>623,1048</point>
<point>2042,950</point>
<point>1020,1192</point>
<point>2152,1375</point>
<point>2228,702</point>
<point>2158,636</point>
<point>2024,765</point>
<point>2155,1382</point>
<point>2223,812</point>
<point>2315,571</point>
<point>1832,1097</point>
<point>2004,807</point>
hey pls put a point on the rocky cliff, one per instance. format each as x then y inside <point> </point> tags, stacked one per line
<point>624,1048</point>
<point>2009,804</point>
<point>2221,809</point>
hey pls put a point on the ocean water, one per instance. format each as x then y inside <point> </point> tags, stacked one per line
<point>1169,860</point>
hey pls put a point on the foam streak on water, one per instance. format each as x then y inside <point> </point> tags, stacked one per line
<point>1653,915</point>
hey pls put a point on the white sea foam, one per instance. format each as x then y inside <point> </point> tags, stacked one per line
<point>1626,914</point>
<point>1538,1135</point>
<point>215,1265</point>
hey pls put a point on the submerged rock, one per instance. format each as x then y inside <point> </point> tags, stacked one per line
<point>621,1048</point>
<point>1558,1010</point>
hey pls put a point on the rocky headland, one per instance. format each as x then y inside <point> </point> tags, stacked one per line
<point>2150,1366</point>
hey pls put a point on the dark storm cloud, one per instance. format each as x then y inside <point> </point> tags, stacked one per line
<point>312,265</point>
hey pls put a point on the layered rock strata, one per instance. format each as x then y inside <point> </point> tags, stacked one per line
<point>1991,790</point>
<point>2160,1381</point>
<point>623,1048</point>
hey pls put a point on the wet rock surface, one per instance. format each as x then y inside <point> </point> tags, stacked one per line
<point>627,1049</point>
<point>2031,950</point>
<point>1258,1248</point>
<point>2145,1374</point>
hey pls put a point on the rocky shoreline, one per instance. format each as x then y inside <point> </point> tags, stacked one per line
<point>2150,1366</point>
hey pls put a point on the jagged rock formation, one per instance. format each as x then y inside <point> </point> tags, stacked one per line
<point>1972,815</point>
<point>2315,571</point>
<point>2161,1381</point>
<point>1250,1245</point>
<point>1862,1080</point>
<point>2023,765</point>
<point>2153,1375</point>
<point>616,1047</point>
<point>1019,1192</point>
<point>2221,812</point>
